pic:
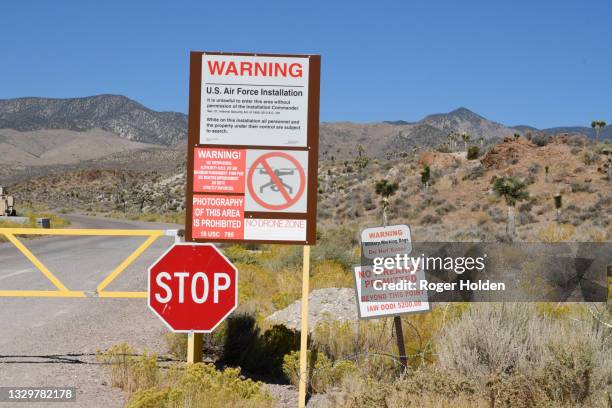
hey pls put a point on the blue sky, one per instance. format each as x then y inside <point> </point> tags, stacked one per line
<point>542,63</point>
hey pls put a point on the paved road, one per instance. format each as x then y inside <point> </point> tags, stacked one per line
<point>52,342</point>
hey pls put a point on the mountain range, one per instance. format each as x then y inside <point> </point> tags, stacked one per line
<point>45,131</point>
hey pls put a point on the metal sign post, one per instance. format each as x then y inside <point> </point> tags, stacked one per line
<point>304,328</point>
<point>386,242</point>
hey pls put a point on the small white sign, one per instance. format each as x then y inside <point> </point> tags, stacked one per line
<point>386,241</point>
<point>274,229</point>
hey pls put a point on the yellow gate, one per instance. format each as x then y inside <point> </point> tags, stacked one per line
<point>62,291</point>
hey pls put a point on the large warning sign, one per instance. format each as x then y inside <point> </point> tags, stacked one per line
<point>253,148</point>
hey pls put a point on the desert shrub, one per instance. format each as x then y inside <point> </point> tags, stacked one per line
<point>337,244</point>
<point>445,209</point>
<point>490,339</point>
<point>258,285</point>
<point>481,218</point>
<point>430,219</point>
<point>475,173</point>
<point>443,148</point>
<point>530,179</point>
<point>525,217</point>
<point>368,203</point>
<point>553,310</point>
<point>129,371</point>
<point>590,157</point>
<point>176,343</point>
<point>576,364</point>
<point>473,152</point>
<point>520,357</point>
<point>281,299</point>
<point>422,388</point>
<point>496,214</point>
<point>534,168</point>
<point>580,187</point>
<point>202,386</point>
<point>556,233</point>
<point>331,274</point>
<point>238,254</point>
<point>322,372</point>
<point>540,139</point>
<point>280,257</point>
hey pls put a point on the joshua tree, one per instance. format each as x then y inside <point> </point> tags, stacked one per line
<point>414,151</point>
<point>385,190</point>
<point>452,139</point>
<point>362,160</point>
<point>512,189</point>
<point>597,125</point>
<point>558,203</point>
<point>466,138</point>
<point>481,142</point>
<point>517,136</point>
<point>425,177</point>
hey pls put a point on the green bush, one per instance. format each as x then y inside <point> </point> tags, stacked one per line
<point>129,371</point>
<point>202,386</point>
<point>323,374</point>
<point>473,152</point>
<point>176,343</point>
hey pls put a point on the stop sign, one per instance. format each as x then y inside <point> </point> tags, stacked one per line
<point>193,287</point>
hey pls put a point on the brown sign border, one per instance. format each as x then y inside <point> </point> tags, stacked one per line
<point>312,142</point>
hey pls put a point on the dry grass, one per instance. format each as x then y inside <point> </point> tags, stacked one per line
<point>557,233</point>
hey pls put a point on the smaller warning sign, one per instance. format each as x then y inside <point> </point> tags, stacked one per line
<point>385,241</point>
<point>390,291</point>
<point>218,217</point>
<point>218,170</point>
<point>276,180</point>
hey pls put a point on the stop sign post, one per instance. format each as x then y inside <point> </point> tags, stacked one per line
<point>193,287</point>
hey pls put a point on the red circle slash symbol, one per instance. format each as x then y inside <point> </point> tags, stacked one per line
<point>274,178</point>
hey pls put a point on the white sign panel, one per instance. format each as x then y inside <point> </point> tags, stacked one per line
<point>274,229</point>
<point>254,100</point>
<point>386,241</point>
<point>373,303</point>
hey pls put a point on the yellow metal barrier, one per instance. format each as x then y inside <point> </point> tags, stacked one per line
<point>62,291</point>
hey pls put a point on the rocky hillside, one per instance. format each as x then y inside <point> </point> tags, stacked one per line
<point>459,205</point>
<point>463,120</point>
<point>23,118</point>
<point>112,113</point>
